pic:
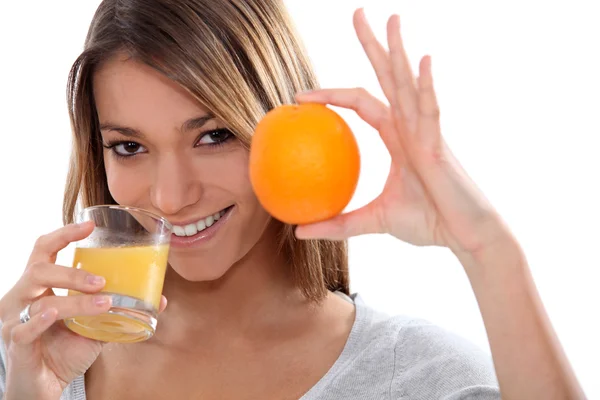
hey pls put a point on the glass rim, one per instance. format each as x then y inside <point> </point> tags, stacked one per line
<point>128,208</point>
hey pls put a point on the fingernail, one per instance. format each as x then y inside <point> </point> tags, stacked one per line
<point>48,314</point>
<point>101,300</point>
<point>96,280</point>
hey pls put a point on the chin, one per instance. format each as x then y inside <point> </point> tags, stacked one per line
<point>199,271</point>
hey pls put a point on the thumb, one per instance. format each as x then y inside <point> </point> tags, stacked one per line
<point>341,227</point>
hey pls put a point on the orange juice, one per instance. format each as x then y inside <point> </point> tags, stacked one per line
<point>135,272</point>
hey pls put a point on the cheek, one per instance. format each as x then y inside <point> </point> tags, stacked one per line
<point>256,217</point>
<point>125,184</point>
<point>239,179</point>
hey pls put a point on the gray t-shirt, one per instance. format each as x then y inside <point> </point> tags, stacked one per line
<point>386,358</point>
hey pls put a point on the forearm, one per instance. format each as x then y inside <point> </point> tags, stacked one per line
<point>529,360</point>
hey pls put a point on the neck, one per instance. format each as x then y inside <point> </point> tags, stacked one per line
<point>255,295</point>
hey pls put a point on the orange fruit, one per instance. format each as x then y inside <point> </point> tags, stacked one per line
<point>304,163</point>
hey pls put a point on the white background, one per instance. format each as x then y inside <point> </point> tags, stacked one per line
<point>518,88</point>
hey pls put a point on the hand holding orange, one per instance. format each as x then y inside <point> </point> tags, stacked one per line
<point>304,163</point>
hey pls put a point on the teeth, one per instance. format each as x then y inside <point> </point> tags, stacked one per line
<point>192,229</point>
<point>178,230</point>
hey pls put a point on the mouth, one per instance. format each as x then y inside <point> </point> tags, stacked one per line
<point>200,230</point>
<point>200,225</point>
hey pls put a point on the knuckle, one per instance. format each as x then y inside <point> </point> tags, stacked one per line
<point>361,92</point>
<point>42,242</point>
<point>361,95</point>
<point>36,266</point>
<point>33,271</point>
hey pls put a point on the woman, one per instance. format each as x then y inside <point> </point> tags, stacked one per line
<point>163,102</point>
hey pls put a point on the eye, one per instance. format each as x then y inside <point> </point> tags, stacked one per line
<point>214,137</point>
<point>127,149</point>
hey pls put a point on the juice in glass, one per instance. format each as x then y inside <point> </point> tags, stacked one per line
<point>134,274</point>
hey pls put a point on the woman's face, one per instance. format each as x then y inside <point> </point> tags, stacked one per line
<point>164,153</point>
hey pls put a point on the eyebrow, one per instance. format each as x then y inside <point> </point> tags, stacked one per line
<point>187,126</point>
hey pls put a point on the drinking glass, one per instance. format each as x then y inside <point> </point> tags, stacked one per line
<point>129,247</point>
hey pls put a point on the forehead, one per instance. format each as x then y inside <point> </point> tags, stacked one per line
<point>129,92</point>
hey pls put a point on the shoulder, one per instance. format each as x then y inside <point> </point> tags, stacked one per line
<point>432,362</point>
<point>416,359</point>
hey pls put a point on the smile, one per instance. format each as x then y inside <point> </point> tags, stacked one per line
<point>200,232</point>
<point>200,225</point>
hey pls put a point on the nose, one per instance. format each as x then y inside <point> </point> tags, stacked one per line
<point>174,187</point>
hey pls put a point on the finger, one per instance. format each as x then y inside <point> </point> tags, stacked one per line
<point>405,94</point>
<point>368,107</point>
<point>163,304</point>
<point>376,53</point>
<point>25,334</point>
<point>372,110</point>
<point>429,111</point>
<point>381,62</point>
<point>47,246</point>
<point>365,220</point>
<point>43,275</point>
<point>73,306</point>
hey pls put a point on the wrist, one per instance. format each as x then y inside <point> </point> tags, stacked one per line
<point>492,271</point>
<point>503,249</point>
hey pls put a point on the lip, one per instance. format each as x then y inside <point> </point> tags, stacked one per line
<point>193,221</point>
<point>202,237</point>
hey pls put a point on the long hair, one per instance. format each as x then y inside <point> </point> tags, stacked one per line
<point>238,58</point>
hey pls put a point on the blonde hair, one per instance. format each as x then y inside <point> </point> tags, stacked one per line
<point>238,58</point>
